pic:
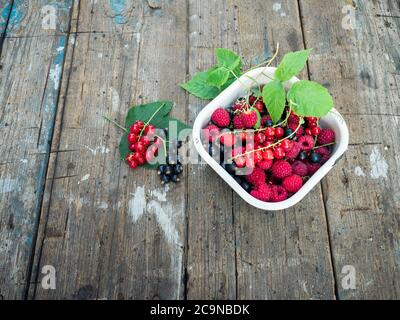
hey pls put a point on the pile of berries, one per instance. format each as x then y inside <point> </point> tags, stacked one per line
<point>144,142</point>
<point>269,161</point>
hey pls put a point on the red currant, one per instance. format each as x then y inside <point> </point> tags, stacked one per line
<point>279,153</point>
<point>228,139</point>
<point>140,124</point>
<point>149,155</point>
<point>270,132</point>
<point>259,138</point>
<point>242,136</point>
<point>133,164</point>
<point>132,147</point>
<point>287,144</point>
<point>129,157</point>
<point>312,125</point>
<point>145,140</point>
<point>135,128</point>
<point>132,138</point>
<point>259,106</point>
<point>139,147</point>
<point>258,156</point>
<point>252,99</point>
<point>279,132</point>
<point>139,159</point>
<point>268,154</point>
<point>311,119</point>
<point>250,163</point>
<point>316,131</point>
<point>150,130</point>
<point>308,131</point>
<point>240,162</point>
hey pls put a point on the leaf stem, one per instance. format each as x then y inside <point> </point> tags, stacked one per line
<point>115,123</point>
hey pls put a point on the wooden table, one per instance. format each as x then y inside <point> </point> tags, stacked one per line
<point>66,200</point>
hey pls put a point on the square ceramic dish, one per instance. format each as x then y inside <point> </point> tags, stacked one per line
<point>332,120</point>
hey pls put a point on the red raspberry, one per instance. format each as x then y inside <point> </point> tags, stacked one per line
<point>292,183</point>
<point>326,136</point>
<point>325,153</point>
<point>299,168</point>
<point>281,169</point>
<point>278,193</point>
<point>239,105</point>
<point>221,117</point>
<point>259,105</point>
<point>211,132</point>
<point>238,122</point>
<point>262,192</point>
<point>294,152</point>
<point>265,164</point>
<point>306,143</point>
<point>249,119</point>
<point>312,168</point>
<point>293,119</point>
<point>256,177</point>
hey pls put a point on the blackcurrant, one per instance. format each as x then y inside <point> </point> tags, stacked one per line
<point>238,179</point>
<point>315,157</point>
<point>246,186</point>
<point>302,156</point>
<point>178,168</point>
<point>175,178</point>
<point>165,179</point>
<point>269,123</point>
<point>230,167</point>
<point>161,169</point>
<point>168,170</point>
<point>288,132</point>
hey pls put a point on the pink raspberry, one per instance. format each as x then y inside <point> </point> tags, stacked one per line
<point>265,164</point>
<point>210,133</point>
<point>238,122</point>
<point>312,168</point>
<point>325,153</point>
<point>249,119</point>
<point>294,152</point>
<point>326,136</point>
<point>299,168</point>
<point>281,169</point>
<point>292,183</point>
<point>221,117</point>
<point>306,142</point>
<point>262,192</point>
<point>256,177</point>
<point>278,193</point>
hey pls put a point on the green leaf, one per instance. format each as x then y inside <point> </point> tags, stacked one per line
<point>291,64</point>
<point>228,59</point>
<point>258,123</point>
<point>274,97</point>
<point>218,77</point>
<point>144,112</point>
<point>124,146</point>
<point>310,99</point>
<point>198,86</point>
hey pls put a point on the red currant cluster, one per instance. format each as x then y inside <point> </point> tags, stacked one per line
<point>312,126</point>
<point>144,144</point>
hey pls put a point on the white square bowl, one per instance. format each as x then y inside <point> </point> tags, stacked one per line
<point>332,120</point>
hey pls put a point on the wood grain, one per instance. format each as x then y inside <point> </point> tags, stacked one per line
<point>360,66</point>
<point>110,232</point>
<point>29,85</point>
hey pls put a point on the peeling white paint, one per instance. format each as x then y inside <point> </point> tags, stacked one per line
<point>60,49</point>
<point>24,161</point>
<point>359,172</point>
<point>98,150</point>
<point>276,6</point>
<point>55,74</point>
<point>379,166</point>
<point>283,14</point>
<point>137,204</point>
<point>103,205</point>
<point>8,185</point>
<point>84,178</point>
<point>99,55</point>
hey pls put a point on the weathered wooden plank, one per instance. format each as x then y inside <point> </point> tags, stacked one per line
<point>211,253</point>
<point>29,86</point>
<point>361,66</point>
<point>110,232</point>
<point>280,255</point>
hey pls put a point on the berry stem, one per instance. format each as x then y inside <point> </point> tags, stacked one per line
<point>324,145</point>
<point>164,142</point>
<point>270,146</point>
<point>151,118</point>
<point>116,124</point>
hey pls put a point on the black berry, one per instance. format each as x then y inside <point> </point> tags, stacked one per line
<point>315,157</point>
<point>165,179</point>
<point>246,186</point>
<point>302,156</point>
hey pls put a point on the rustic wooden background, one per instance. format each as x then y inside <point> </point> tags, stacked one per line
<point>67,201</point>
